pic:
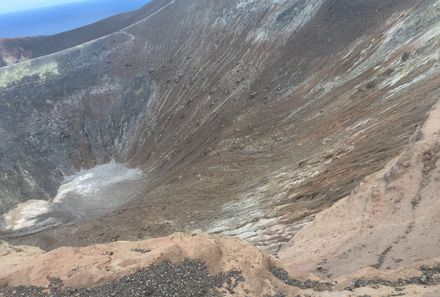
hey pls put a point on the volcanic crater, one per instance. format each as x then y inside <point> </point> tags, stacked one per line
<point>243,118</point>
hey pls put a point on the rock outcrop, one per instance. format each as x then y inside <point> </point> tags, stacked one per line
<point>96,265</point>
<point>185,265</point>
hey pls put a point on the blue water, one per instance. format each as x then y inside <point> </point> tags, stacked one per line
<point>60,18</point>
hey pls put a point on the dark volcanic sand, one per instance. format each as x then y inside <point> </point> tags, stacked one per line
<point>191,278</point>
<point>430,277</point>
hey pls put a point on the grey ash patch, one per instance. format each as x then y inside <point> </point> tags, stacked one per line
<point>283,275</point>
<point>430,159</point>
<point>430,277</point>
<point>287,16</point>
<point>276,295</point>
<point>382,257</point>
<point>190,278</point>
<point>141,251</point>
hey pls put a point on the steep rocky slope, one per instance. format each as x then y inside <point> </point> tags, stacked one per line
<point>245,117</point>
<point>379,241</point>
<point>391,218</point>
<point>279,122</point>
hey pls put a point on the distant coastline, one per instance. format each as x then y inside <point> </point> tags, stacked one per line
<point>61,18</point>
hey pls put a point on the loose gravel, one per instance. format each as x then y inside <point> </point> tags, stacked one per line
<point>430,277</point>
<point>189,279</point>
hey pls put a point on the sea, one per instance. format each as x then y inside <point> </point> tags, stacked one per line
<point>61,18</point>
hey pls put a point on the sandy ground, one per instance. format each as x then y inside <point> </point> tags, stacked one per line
<point>101,267</point>
<point>390,221</point>
<point>94,265</point>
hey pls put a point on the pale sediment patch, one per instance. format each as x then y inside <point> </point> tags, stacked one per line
<point>15,73</point>
<point>88,194</point>
<point>253,217</point>
<point>25,214</point>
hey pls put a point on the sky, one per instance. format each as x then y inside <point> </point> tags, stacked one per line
<point>18,5</point>
<point>19,18</point>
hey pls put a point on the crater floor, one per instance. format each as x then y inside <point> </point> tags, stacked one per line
<point>86,195</point>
